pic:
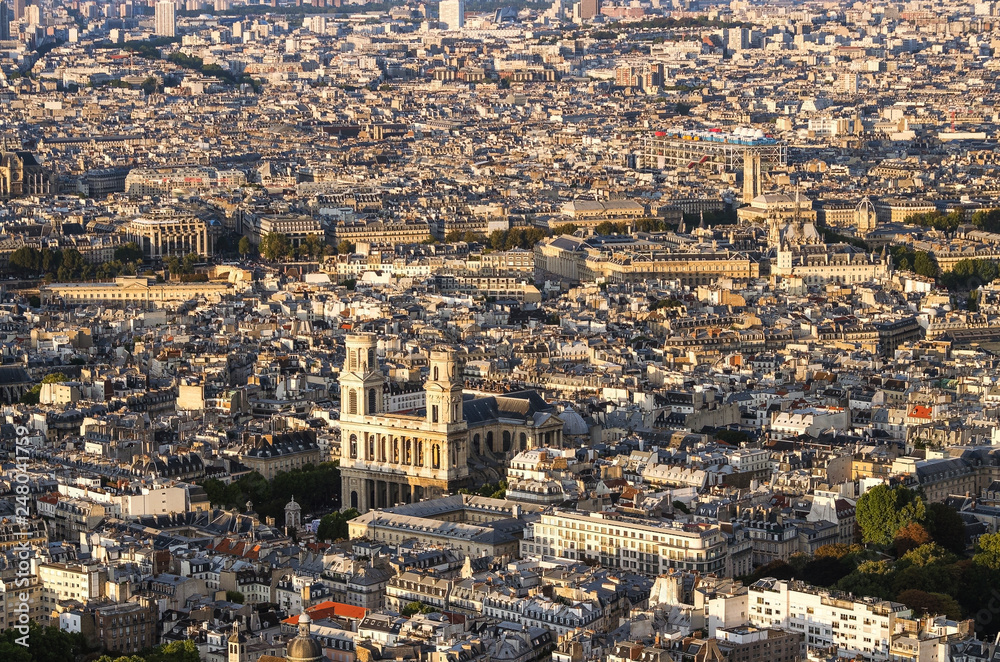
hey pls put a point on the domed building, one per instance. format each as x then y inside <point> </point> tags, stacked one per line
<point>303,647</point>
<point>576,431</point>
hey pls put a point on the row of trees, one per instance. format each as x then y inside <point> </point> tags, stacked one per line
<point>968,275</point>
<point>176,651</point>
<point>50,644</point>
<point>69,265</point>
<point>496,490</point>
<point>988,220</point>
<point>920,262</point>
<point>315,488</point>
<point>277,246</point>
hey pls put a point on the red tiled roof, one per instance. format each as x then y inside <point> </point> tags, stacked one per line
<point>330,609</point>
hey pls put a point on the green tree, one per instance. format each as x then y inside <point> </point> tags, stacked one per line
<point>882,511</point>
<point>27,259</point>
<point>46,644</point>
<point>988,551</point>
<point>910,537</point>
<point>565,228</point>
<point>73,266</point>
<point>970,274</point>
<point>175,651</point>
<point>946,527</point>
<point>245,246</point>
<point>235,596</point>
<point>930,603</point>
<point>274,246</point>
<point>314,245</point>
<point>872,578</point>
<point>190,260</point>
<point>925,264</point>
<point>411,609</point>
<point>334,526</point>
<point>608,227</point>
<point>129,252</point>
<point>345,247</point>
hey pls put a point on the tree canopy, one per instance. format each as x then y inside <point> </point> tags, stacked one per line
<point>882,511</point>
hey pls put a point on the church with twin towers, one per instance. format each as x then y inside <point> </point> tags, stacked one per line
<point>458,441</point>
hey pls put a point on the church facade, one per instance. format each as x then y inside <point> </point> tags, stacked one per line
<point>389,458</point>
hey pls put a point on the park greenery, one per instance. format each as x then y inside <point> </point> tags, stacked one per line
<point>275,246</point>
<point>913,553</point>
<point>315,488</point>
<point>920,262</point>
<point>50,644</point>
<point>69,265</point>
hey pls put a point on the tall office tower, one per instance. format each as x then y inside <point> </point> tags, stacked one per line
<point>589,9</point>
<point>166,25</point>
<point>5,19</point>
<point>752,184</point>
<point>33,15</point>
<point>452,14</point>
<point>18,10</point>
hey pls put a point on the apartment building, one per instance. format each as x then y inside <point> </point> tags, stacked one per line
<point>858,627</point>
<point>644,546</point>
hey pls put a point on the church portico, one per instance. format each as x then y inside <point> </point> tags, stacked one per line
<point>389,459</point>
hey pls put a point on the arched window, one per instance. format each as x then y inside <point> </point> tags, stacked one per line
<point>381,450</point>
<point>420,453</point>
<point>476,445</point>
<point>489,441</point>
<point>371,448</point>
<point>352,402</point>
<point>435,373</point>
<point>354,445</point>
<point>407,451</point>
<point>506,441</point>
<point>371,401</point>
<point>436,456</point>
<point>371,359</point>
<point>395,450</point>
<point>524,442</point>
<point>354,500</point>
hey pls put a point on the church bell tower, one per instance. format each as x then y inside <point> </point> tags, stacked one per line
<point>361,382</point>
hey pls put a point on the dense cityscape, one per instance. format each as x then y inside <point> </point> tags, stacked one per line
<point>499,331</point>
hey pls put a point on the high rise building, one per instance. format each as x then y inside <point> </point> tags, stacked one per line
<point>752,180</point>
<point>5,19</point>
<point>452,14</point>
<point>33,15</point>
<point>166,24</point>
<point>18,7</point>
<point>589,9</point>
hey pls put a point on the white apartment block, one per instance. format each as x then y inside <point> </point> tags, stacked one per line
<point>645,546</point>
<point>856,626</point>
